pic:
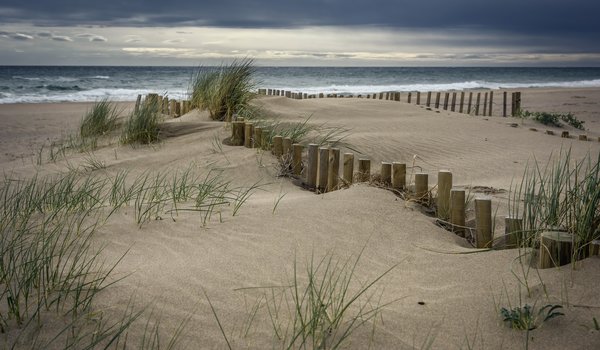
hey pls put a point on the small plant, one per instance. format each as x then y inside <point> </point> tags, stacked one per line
<point>100,119</point>
<point>525,318</point>
<point>143,124</point>
<point>552,119</point>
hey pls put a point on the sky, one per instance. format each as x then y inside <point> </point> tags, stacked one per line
<point>305,33</point>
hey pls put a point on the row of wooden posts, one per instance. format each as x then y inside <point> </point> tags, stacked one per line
<point>454,101</point>
<point>321,173</point>
<point>172,107</point>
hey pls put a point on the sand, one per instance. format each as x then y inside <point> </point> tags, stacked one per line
<point>440,294</point>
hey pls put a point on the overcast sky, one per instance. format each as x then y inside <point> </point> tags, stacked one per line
<point>309,32</point>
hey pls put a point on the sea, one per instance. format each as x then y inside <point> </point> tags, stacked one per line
<point>37,84</point>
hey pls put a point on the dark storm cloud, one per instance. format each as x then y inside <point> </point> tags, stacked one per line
<point>533,16</point>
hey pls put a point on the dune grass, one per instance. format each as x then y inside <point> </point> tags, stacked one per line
<point>224,90</point>
<point>100,119</point>
<point>318,308</point>
<point>142,126</point>
<point>562,195</point>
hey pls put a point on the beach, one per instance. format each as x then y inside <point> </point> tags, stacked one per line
<point>439,293</point>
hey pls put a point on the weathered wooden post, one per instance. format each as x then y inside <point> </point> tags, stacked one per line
<point>556,249</point>
<point>248,133</point>
<point>513,101</point>
<point>418,97</point>
<point>287,146</point>
<point>491,103</point>
<point>178,109</point>
<point>517,102</point>
<point>237,137</point>
<point>173,108</point>
<point>477,103</point>
<point>397,96</point>
<point>453,105</point>
<point>323,170</point>
<point>504,103</point>
<point>348,167</point>
<point>421,187</point>
<point>257,137</point>
<point>409,97</point>
<point>470,103</point>
<point>446,100</point>
<point>137,103</point>
<point>165,106</point>
<point>398,176</point>
<point>297,159</point>
<point>437,99</point>
<point>485,103</point>
<point>277,146</point>
<point>333,174</point>
<point>443,194</point>
<point>386,173</point>
<point>457,211</point>
<point>513,232</point>
<point>483,223</point>
<point>269,92</point>
<point>428,103</point>
<point>364,170</point>
<point>565,134</point>
<point>312,166</point>
<point>583,138</point>
<point>462,102</point>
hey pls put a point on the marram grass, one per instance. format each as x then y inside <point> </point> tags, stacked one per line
<point>100,119</point>
<point>142,126</point>
<point>225,90</point>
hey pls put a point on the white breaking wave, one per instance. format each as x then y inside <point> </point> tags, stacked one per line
<point>84,96</point>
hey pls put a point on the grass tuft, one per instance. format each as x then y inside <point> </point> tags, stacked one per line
<point>100,119</point>
<point>143,124</point>
<point>225,90</point>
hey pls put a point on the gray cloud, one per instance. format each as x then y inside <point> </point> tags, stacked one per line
<point>44,34</point>
<point>98,39</point>
<point>16,36</point>
<point>92,37</point>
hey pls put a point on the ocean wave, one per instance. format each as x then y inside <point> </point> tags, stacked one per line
<point>18,77</point>
<point>52,87</point>
<point>466,85</point>
<point>84,96</point>
<point>99,77</point>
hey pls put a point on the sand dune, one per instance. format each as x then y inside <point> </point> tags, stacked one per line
<point>442,292</point>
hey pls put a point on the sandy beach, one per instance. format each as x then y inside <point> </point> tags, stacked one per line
<point>439,294</point>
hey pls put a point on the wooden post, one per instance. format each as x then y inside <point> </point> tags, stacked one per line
<point>386,173</point>
<point>312,166</point>
<point>248,128</point>
<point>504,103</point>
<point>257,137</point>
<point>323,170</point>
<point>428,103</point>
<point>333,174</point>
<point>348,167</point>
<point>453,105</point>
<point>443,194</point>
<point>556,249</point>
<point>421,187</point>
<point>485,104</point>
<point>269,92</point>
<point>381,95</point>
<point>583,138</point>
<point>491,103</point>
<point>397,96</point>
<point>165,105</point>
<point>137,103</point>
<point>462,102</point>
<point>470,103</point>
<point>277,146</point>
<point>483,223</point>
<point>517,102</point>
<point>477,103</point>
<point>513,235</point>
<point>364,170</point>
<point>446,98</point>
<point>398,176</point>
<point>287,146</point>
<point>457,211</point>
<point>418,97</point>
<point>437,99</point>
<point>409,97</point>
<point>237,138</point>
<point>565,134</point>
<point>297,159</point>
<point>178,109</point>
<point>173,108</point>
<point>387,95</point>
